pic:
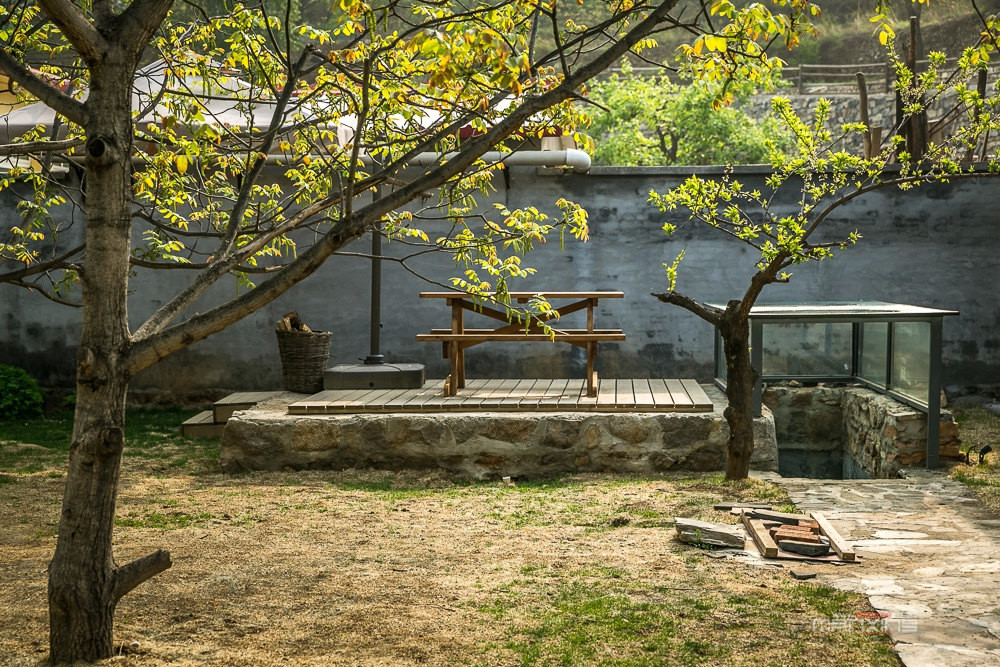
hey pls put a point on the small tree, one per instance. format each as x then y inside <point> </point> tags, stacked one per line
<point>177,151</point>
<point>651,121</point>
<point>826,178</point>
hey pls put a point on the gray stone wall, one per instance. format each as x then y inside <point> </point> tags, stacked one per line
<point>822,429</point>
<point>489,445</point>
<point>934,246</point>
<point>844,108</point>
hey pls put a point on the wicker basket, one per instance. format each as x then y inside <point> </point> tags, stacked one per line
<point>303,359</point>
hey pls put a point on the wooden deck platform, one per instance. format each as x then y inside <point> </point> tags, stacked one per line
<point>653,395</point>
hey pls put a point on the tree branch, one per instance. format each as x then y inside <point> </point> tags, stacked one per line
<point>139,21</point>
<point>131,575</point>
<point>45,146</point>
<point>50,96</point>
<point>77,29</point>
<point>41,267</point>
<point>152,345</point>
<point>711,315</point>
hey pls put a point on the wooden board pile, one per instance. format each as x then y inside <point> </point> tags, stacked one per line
<point>775,534</point>
<point>794,536</point>
<point>292,322</point>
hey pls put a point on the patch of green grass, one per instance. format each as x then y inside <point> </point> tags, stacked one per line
<point>152,441</point>
<point>158,520</point>
<point>977,428</point>
<point>607,615</point>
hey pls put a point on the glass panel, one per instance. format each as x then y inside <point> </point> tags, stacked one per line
<point>911,358</point>
<point>807,350</point>
<point>720,358</point>
<point>874,351</point>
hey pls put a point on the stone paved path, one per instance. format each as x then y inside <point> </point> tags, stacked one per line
<point>930,557</point>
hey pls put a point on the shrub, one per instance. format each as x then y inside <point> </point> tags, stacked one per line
<point>19,394</point>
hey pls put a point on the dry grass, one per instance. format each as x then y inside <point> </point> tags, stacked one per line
<point>369,567</point>
<point>978,428</point>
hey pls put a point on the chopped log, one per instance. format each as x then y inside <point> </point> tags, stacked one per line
<point>804,548</point>
<point>764,543</point>
<point>725,507</point>
<point>783,517</point>
<point>840,545</point>
<point>693,531</point>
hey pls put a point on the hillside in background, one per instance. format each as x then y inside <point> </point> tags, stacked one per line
<point>846,35</point>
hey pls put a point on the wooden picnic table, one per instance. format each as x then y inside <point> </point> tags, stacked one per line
<point>457,338</point>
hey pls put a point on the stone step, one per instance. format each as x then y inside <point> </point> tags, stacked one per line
<point>202,425</point>
<point>224,408</point>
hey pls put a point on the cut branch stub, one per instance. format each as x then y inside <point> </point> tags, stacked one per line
<point>131,575</point>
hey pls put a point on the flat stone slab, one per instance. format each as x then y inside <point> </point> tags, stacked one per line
<point>485,444</point>
<point>929,559</point>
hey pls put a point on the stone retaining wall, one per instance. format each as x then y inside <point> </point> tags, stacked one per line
<point>488,445</point>
<point>853,425</point>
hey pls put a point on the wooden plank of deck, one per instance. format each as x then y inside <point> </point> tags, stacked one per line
<point>682,402</point>
<point>697,394</point>
<point>517,394</point>
<point>316,404</point>
<point>499,393</point>
<point>367,401</point>
<point>571,394</point>
<point>553,393</point>
<point>513,394</point>
<point>662,399</point>
<point>399,401</point>
<point>383,401</point>
<point>643,394</point>
<point>606,393</point>
<point>536,394</point>
<point>624,396</point>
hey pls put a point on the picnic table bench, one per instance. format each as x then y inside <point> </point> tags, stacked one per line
<point>456,339</point>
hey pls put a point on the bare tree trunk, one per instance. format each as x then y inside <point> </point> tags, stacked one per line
<point>740,380</point>
<point>84,583</point>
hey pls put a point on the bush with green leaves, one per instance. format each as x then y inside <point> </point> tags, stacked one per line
<point>19,394</point>
<point>650,121</point>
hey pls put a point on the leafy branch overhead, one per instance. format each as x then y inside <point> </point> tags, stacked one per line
<point>783,221</point>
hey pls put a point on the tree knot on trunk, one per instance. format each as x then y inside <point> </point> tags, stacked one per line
<point>112,441</point>
<point>102,151</point>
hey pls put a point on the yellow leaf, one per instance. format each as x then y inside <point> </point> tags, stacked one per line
<point>883,37</point>
<point>182,163</point>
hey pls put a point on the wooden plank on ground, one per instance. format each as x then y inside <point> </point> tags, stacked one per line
<point>697,394</point>
<point>643,393</point>
<point>781,517</point>
<point>755,527</point>
<point>680,397</point>
<point>662,399</point>
<point>725,507</point>
<point>839,544</point>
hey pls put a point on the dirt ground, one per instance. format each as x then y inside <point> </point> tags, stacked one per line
<point>376,568</point>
